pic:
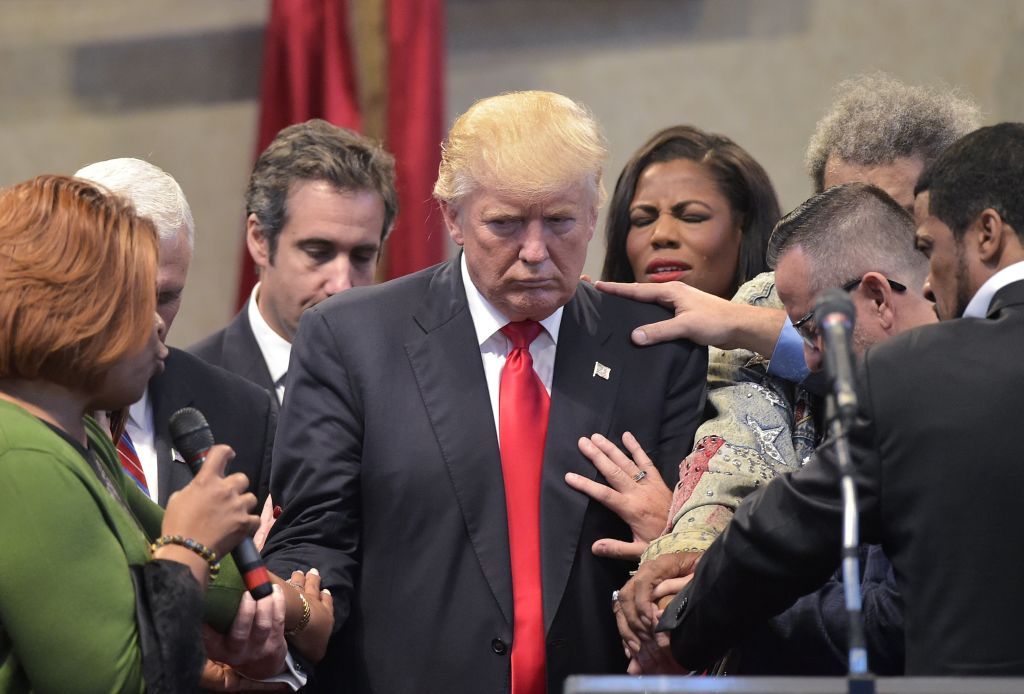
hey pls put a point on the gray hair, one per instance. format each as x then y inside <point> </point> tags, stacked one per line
<point>847,231</point>
<point>877,119</point>
<point>152,191</point>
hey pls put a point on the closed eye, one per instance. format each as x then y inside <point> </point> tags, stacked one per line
<point>319,252</point>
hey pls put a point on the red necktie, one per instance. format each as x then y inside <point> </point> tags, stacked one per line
<point>523,405</point>
<point>130,462</point>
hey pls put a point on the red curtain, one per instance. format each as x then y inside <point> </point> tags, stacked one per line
<point>415,129</point>
<point>308,72</point>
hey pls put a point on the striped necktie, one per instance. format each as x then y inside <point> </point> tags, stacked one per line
<point>130,462</point>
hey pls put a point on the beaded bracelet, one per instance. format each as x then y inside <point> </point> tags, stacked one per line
<point>208,555</point>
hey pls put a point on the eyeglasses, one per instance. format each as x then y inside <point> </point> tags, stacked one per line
<point>808,327</point>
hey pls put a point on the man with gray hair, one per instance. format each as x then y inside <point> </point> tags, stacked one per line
<point>884,132</point>
<point>320,203</point>
<point>240,415</point>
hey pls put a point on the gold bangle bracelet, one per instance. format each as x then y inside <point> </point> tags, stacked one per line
<point>304,621</point>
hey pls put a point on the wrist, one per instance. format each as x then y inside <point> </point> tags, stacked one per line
<point>180,544</point>
<point>302,615</point>
<point>755,328</point>
<point>196,564</point>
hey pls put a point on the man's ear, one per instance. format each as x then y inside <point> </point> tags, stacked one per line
<point>256,242</point>
<point>992,236</point>
<point>875,287</point>
<point>451,220</point>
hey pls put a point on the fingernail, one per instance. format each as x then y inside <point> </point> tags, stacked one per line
<point>639,337</point>
<point>325,591</point>
<point>314,571</point>
<point>628,654</point>
<point>277,511</point>
<point>274,588</point>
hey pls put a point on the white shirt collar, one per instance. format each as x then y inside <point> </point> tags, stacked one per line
<point>488,320</point>
<point>979,305</point>
<point>276,350</point>
<point>141,413</point>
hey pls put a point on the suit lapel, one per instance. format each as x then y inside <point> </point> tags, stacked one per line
<point>450,377</point>
<point>582,402</point>
<point>241,348</point>
<point>168,395</point>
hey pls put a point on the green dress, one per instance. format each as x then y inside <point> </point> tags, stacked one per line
<point>67,604</point>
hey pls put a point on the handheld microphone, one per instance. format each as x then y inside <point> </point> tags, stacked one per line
<point>193,439</point>
<point>836,314</point>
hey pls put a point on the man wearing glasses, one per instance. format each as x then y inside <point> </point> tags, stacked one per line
<point>852,236</point>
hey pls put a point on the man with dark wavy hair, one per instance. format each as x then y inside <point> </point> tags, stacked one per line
<point>320,203</point>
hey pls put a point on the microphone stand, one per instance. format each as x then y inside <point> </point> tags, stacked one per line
<point>859,678</point>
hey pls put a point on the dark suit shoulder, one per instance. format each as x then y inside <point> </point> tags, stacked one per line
<point>399,293</point>
<point>630,312</point>
<point>241,414</point>
<point>211,348</point>
<point>919,346</point>
<point>202,378</point>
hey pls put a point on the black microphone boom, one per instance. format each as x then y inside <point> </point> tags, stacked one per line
<point>193,439</point>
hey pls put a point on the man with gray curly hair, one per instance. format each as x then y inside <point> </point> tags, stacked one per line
<point>884,132</point>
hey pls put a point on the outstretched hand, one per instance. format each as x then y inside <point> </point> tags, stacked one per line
<point>701,317</point>
<point>635,492</point>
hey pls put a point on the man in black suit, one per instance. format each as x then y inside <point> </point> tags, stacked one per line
<point>423,444</point>
<point>240,414</point>
<point>321,201</point>
<point>936,451</point>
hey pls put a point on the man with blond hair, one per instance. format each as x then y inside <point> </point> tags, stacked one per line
<point>431,420</point>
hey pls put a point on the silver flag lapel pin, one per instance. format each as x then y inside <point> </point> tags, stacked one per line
<point>602,371</point>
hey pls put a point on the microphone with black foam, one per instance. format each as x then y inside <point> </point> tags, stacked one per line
<point>836,314</point>
<point>193,439</point>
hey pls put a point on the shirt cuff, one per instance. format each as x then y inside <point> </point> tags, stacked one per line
<point>293,675</point>
<point>787,360</point>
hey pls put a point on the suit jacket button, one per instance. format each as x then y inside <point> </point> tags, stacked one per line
<point>499,647</point>
<point>682,606</point>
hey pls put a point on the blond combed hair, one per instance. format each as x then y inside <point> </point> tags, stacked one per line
<point>527,145</point>
<point>77,281</point>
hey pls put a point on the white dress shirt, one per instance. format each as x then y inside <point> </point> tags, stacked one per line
<point>141,430</point>
<point>275,349</point>
<point>494,346</point>
<point>978,307</point>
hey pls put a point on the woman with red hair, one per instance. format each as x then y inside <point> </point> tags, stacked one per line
<point>100,590</point>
